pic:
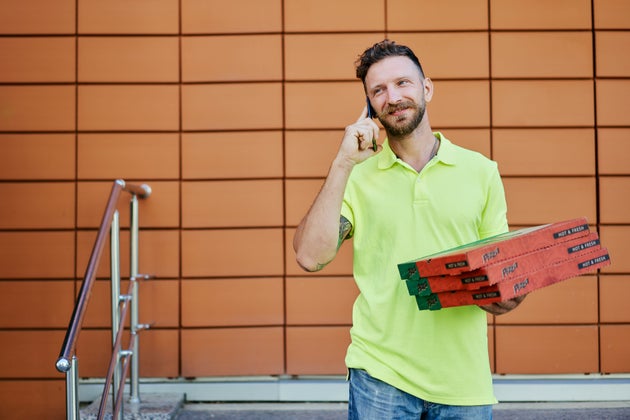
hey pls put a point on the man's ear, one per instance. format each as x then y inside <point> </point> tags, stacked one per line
<point>427,89</point>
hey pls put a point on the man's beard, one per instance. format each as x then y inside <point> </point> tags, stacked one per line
<point>405,128</point>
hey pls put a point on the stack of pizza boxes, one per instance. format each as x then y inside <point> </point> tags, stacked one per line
<point>504,266</point>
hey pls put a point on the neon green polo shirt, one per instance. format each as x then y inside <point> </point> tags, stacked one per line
<point>397,215</point>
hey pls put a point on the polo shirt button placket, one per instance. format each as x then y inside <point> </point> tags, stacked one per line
<point>420,195</point>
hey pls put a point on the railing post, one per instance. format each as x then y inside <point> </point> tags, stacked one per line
<point>133,266</point>
<point>72,390</point>
<point>115,294</point>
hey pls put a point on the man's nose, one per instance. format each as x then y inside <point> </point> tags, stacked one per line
<point>393,96</point>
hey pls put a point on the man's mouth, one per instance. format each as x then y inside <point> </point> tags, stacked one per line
<point>399,110</point>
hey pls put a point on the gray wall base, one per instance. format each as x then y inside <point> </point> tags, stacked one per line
<point>508,388</point>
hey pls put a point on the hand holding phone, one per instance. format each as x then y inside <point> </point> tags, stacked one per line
<point>360,139</point>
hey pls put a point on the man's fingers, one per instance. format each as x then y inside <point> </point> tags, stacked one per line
<point>375,130</point>
<point>365,131</point>
<point>364,114</point>
<point>367,134</point>
<point>360,140</point>
<point>363,140</point>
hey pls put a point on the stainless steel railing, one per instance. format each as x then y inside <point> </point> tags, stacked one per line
<point>121,304</point>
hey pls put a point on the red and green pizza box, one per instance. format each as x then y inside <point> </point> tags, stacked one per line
<point>517,286</point>
<point>494,249</point>
<point>503,270</point>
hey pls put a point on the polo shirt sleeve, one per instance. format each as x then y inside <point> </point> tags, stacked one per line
<point>494,216</point>
<point>346,211</point>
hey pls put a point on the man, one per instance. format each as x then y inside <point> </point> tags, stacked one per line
<point>413,195</point>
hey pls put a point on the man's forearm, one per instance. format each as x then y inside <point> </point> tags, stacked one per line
<point>316,239</point>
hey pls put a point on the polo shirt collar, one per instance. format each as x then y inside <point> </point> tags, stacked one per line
<point>446,153</point>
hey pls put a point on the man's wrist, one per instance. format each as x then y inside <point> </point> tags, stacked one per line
<point>343,163</point>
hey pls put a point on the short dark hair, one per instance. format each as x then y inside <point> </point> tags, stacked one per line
<point>381,50</point>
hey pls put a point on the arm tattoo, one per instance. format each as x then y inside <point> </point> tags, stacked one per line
<point>319,267</point>
<point>344,230</point>
<point>344,233</point>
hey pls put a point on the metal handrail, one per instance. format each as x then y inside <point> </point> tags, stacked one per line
<point>66,362</point>
<point>114,361</point>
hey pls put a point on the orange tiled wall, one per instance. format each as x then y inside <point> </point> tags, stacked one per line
<point>231,111</point>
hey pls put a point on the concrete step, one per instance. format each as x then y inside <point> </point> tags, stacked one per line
<point>152,406</point>
<point>172,406</point>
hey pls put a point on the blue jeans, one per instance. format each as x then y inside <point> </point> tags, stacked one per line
<point>372,399</point>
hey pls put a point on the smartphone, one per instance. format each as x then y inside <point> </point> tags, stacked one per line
<point>371,112</point>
